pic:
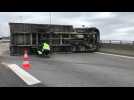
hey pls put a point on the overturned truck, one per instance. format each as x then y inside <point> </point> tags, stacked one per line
<point>62,38</point>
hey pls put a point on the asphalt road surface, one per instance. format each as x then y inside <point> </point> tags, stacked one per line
<point>8,78</point>
<point>70,70</point>
<point>80,70</point>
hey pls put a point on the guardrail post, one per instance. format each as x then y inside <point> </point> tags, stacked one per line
<point>133,42</point>
<point>110,41</point>
<point>120,42</point>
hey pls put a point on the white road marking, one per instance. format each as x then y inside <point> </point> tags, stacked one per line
<point>115,55</point>
<point>25,76</point>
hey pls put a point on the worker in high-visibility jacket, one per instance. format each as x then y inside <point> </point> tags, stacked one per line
<point>45,49</point>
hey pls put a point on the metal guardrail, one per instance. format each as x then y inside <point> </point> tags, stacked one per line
<point>117,42</point>
<point>4,41</point>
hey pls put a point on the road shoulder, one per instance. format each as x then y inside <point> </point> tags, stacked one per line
<point>117,51</point>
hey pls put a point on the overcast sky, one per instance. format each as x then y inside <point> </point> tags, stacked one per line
<point>112,25</point>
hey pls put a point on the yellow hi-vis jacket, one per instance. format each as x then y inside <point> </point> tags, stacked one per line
<point>46,46</point>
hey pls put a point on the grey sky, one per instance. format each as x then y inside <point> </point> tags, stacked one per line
<point>112,25</point>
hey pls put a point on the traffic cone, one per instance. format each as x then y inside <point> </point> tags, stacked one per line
<point>26,64</point>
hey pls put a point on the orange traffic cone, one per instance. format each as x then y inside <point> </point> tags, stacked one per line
<point>26,64</point>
